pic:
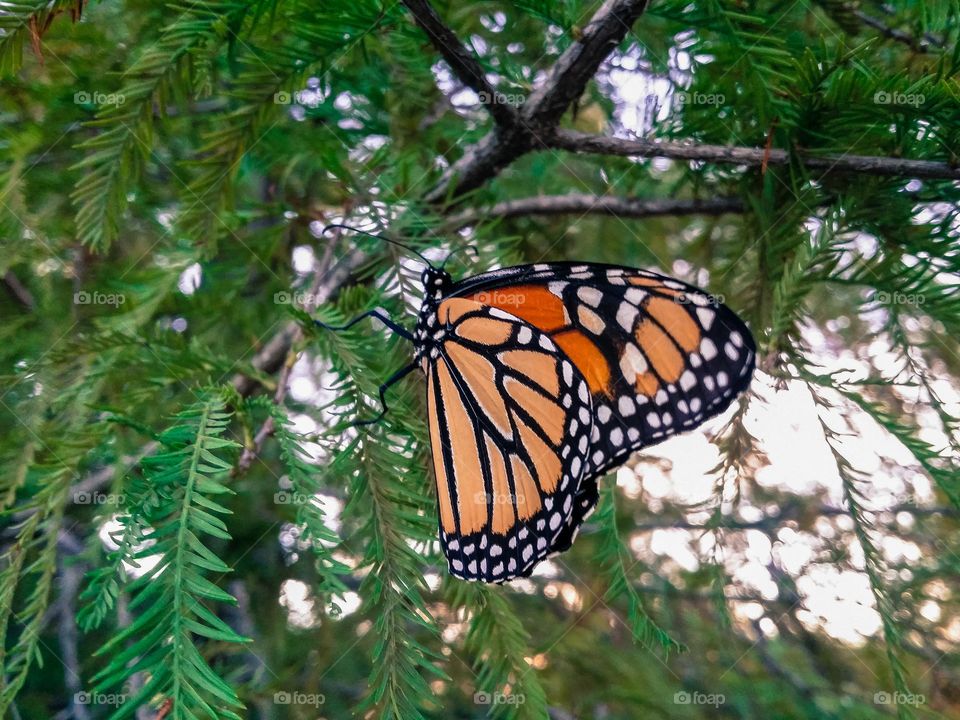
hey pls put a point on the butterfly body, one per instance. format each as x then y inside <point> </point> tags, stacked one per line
<point>540,378</point>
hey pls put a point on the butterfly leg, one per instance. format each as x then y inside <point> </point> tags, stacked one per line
<point>379,315</point>
<point>393,379</point>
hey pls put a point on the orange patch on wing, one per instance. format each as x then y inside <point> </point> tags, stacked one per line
<point>647,384</point>
<point>467,475</point>
<point>481,379</point>
<point>500,486</point>
<point>452,309</point>
<point>546,413</point>
<point>655,284</point>
<point>676,320</point>
<point>660,351</point>
<point>537,305</point>
<point>538,366</point>
<point>527,498</point>
<point>436,445</point>
<point>485,331</point>
<point>545,461</point>
<point>591,363</point>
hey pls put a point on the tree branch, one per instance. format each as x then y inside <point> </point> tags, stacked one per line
<point>565,83</point>
<point>461,61</point>
<point>578,142</point>
<point>576,203</point>
<point>920,45</point>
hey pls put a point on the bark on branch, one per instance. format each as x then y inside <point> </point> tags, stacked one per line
<point>578,142</point>
<point>461,61</point>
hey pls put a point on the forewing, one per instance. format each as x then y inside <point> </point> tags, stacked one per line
<point>659,355</point>
<point>510,420</point>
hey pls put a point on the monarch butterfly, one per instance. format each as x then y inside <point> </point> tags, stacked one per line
<point>540,378</point>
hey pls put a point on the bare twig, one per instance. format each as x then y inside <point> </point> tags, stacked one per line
<point>578,142</point>
<point>18,290</point>
<point>577,203</point>
<point>461,61</point>
<point>920,45</point>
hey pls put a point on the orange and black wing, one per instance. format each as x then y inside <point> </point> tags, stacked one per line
<point>510,420</point>
<point>659,355</point>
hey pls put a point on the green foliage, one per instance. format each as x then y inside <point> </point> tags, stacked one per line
<point>173,519</point>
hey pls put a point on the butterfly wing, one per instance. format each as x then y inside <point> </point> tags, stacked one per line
<point>660,356</point>
<point>510,420</point>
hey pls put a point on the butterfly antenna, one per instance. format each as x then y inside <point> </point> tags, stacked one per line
<point>472,248</point>
<point>384,238</point>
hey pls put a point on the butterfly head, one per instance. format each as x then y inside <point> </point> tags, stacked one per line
<point>436,282</point>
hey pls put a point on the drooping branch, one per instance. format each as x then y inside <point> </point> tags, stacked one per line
<point>579,142</point>
<point>920,45</point>
<point>582,204</point>
<point>461,61</point>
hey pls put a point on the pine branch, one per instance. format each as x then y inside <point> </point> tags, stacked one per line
<point>461,61</point>
<point>181,520</point>
<point>565,83</point>
<point>578,142</point>
<point>582,204</point>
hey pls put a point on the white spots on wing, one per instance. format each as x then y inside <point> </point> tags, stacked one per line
<point>557,287</point>
<point>498,313</point>
<point>627,316</point>
<point>736,338</point>
<point>635,295</point>
<point>730,350</point>
<point>661,397</point>
<point>687,380</point>
<point>547,344</point>
<point>706,316</point>
<point>616,437</point>
<point>632,362</point>
<point>590,295</point>
<point>567,373</point>
<point>525,335</point>
<point>575,467</point>
<point>603,413</point>
<point>626,406</point>
<point>584,393</point>
<point>590,320</point>
<point>653,420</point>
<point>708,349</point>
<point>722,379</point>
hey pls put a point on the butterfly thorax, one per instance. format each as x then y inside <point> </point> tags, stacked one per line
<point>437,284</point>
